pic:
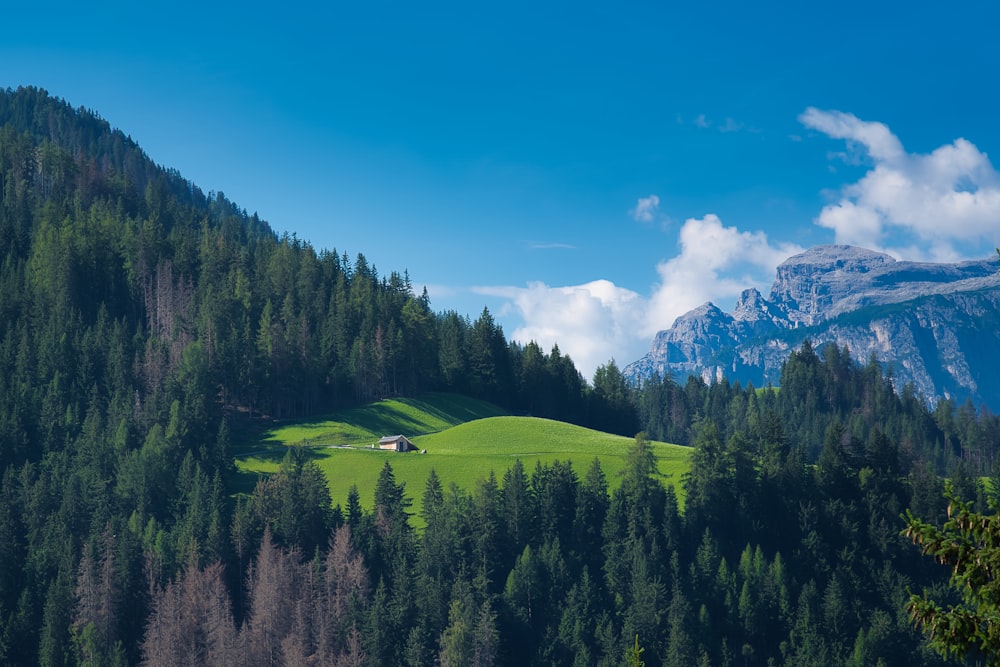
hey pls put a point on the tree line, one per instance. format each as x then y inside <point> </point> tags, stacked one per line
<point>765,560</point>
<point>142,321</point>
<point>820,387</point>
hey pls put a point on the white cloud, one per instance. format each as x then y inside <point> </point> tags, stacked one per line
<point>853,224</point>
<point>598,320</point>
<point>876,137</point>
<point>921,205</point>
<point>715,264</point>
<point>591,322</point>
<point>936,203</point>
<point>646,208</point>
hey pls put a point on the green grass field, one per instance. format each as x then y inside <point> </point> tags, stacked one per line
<point>464,439</point>
<point>366,424</point>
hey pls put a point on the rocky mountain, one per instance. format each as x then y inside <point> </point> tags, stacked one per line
<point>936,326</point>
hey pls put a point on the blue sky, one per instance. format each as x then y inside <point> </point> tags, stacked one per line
<point>588,171</point>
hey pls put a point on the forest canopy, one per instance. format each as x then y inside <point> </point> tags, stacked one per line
<point>145,324</point>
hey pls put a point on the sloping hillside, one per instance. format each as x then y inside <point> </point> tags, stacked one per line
<point>463,440</point>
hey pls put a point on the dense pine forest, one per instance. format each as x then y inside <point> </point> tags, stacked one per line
<point>143,322</point>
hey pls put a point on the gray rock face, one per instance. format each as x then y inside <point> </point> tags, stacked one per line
<point>936,326</point>
<point>810,287</point>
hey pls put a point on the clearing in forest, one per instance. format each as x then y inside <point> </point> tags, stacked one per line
<point>465,440</point>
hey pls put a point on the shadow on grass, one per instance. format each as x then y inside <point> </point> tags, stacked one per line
<point>453,409</point>
<point>406,416</point>
<point>382,419</point>
<point>379,418</point>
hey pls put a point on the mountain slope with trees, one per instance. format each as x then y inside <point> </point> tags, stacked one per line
<point>140,316</point>
<point>142,321</point>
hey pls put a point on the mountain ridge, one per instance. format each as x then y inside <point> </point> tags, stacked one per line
<point>928,323</point>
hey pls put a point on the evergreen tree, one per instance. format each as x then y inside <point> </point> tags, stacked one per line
<point>967,543</point>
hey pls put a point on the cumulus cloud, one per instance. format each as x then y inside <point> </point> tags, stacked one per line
<point>599,320</point>
<point>646,208</point>
<point>590,322</point>
<point>914,206</point>
<point>875,137</point>
<point>715,264</point>
<point>938,203</point>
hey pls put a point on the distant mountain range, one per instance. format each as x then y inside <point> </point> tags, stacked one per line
<point>936,326</point>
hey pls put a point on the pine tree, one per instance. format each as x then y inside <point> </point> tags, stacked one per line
<point>967,542</point>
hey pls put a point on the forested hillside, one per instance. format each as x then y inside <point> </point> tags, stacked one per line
<point>820,389</point>
<point>143,321</point>
<point>139,317</point>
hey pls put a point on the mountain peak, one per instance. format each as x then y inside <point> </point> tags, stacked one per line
<point>942,318</point>
<point>848,258</point>
<point>751,307</point>
<point>707,309</point>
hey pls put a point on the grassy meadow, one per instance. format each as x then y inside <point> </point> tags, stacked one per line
<point>464,439</point>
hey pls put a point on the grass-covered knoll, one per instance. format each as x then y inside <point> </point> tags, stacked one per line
<point>262,451</point>
<point>468,452</point>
